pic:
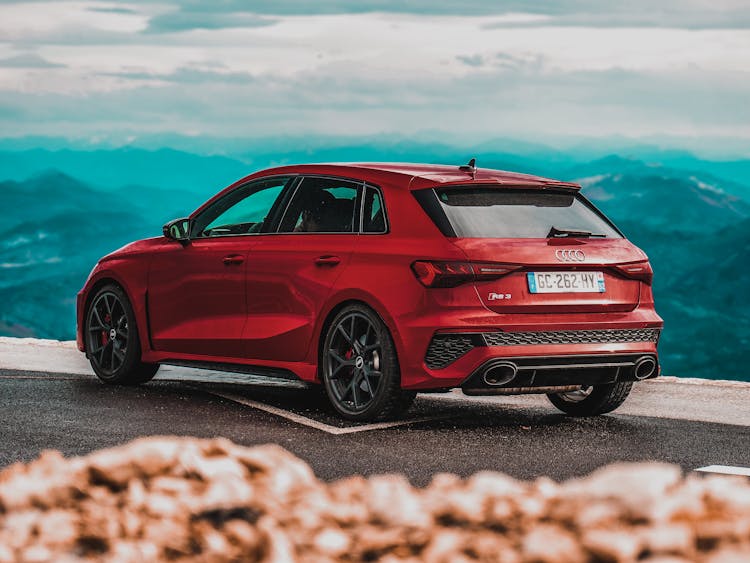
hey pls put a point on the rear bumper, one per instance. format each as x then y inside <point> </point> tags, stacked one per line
<point>446,348</point>
<point>540,374</point>
<point>440,356</point>
<point>542,365</point>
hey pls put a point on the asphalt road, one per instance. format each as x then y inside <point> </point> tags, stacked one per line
<point>693,425</point>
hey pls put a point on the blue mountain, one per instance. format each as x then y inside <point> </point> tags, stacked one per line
<point>69,207</point>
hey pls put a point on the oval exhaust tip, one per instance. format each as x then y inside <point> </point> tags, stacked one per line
<point>499,373</point>
<point>645,367</point>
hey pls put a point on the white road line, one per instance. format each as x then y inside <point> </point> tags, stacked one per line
<point>725,470</point>
<point>299,419</point>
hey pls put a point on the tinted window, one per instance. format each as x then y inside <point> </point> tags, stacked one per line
<point>242,211</point>
<point>373,214</point>
<point>518,213</point>
<point>321,205</point>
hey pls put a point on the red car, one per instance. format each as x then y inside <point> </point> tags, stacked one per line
<point>379,281</point>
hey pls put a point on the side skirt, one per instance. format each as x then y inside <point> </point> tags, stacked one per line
<point>257,371</point>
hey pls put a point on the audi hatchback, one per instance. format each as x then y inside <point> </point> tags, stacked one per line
<point>379,281</point>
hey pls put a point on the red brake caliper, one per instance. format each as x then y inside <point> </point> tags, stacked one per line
<point>105,336</point>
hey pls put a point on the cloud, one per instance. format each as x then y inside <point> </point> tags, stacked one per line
<point>654,18</point>
<point>480,106</point>
<point>221,71</point>
<point>187,75</point>
<point>693,14</point>
<point>471,60</point>
<point>39,23</point>
<point>28,60</point>
<point>527,62</point>
<point>392,45</point>
<point>112,10</point>
<point>80,36</point>
<point>181,20</point>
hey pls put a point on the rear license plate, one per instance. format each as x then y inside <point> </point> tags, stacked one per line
<point>565,282</point>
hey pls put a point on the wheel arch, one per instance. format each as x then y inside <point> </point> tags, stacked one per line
<point>108,277</point>
<point>334,307</point>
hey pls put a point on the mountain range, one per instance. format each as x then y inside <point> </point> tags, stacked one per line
<point>66,208</point>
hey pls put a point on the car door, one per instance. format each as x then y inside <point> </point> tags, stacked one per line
<point>291,273</point>
<point>197,299</point>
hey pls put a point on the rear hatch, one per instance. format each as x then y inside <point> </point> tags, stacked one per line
<point>540,250</point>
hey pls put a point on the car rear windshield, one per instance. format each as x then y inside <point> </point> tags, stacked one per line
<point>491,212</point>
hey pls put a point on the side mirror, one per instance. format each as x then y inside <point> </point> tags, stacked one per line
<point>177,229</point>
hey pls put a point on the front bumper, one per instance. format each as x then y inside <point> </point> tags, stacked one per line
<point>80,302</point>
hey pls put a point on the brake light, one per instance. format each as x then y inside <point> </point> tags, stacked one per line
<point>637,270</point>
<point>450,274</point>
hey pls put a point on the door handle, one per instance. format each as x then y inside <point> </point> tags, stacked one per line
<point>327,260</point>
<point>233,259</point>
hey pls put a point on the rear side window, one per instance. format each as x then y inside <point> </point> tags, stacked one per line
<point>321,205</point>
<point>373,213</point>
<point>478,212</point>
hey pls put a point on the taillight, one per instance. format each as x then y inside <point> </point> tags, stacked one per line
<point>450,274</point>
<point>637,270</point>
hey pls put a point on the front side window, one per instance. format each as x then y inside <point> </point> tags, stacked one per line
<point>322,205</point>
<point>491,212</point>
<point>242,211</point>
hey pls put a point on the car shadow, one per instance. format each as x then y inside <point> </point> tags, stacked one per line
<point>428,411</point>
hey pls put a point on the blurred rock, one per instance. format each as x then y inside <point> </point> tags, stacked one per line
<point>184,499</point>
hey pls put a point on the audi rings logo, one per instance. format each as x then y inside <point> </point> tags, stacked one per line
<point>570,255</point>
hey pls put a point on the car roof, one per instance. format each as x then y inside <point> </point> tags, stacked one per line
<point>425,174</point>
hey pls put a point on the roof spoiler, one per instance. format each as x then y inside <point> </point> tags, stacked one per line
<point>563,186</point>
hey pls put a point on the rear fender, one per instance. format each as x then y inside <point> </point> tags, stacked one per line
<point>352,295</point>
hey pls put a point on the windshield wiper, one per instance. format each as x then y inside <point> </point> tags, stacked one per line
<point>554,232</point>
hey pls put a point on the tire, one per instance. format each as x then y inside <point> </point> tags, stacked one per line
<point>359,368</point>
<point>592,401</point>
<point>111,338</point>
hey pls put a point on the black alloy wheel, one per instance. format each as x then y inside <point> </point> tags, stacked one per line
<point>592,400</point>
<point>108,332</point>
<point>112,343</point>
<point>359,367</point>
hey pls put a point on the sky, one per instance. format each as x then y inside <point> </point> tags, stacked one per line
<point>449,71</point>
